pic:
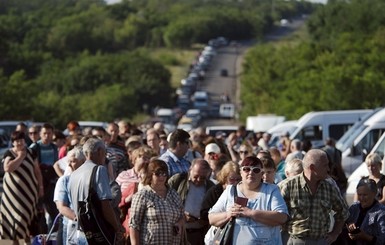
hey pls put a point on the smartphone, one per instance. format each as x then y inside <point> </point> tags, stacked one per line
<point>241,201</point>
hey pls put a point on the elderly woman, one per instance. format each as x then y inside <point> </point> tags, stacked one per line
<point>374,163</point>
<point>22,185</point>
<point>157,211</point>
<point>259,217</point>
<point>366,223</point>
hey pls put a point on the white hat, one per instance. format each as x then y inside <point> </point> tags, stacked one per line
<point>212,148</point>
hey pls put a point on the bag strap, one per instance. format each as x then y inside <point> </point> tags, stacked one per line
<point>235,191</point>
<point>91,188</point>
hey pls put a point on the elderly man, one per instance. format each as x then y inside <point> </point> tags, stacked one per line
<point>95,152</point>
<point>174,156</point>
<point>310,199</point>
<point>192,188</point>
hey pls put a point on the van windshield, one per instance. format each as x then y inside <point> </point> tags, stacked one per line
<point>348,138</point>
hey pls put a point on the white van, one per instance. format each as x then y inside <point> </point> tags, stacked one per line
<point>362,170</point>
<point>166,115</point>
<point>227,110</point>
<point>283,128</point>
<point>263,122</point>
<point>320,125</point>
<point>360,139</point>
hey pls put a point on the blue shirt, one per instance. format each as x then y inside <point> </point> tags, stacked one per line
<point>175,165</point>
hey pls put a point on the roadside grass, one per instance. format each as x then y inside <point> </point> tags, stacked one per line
<point>177,61</point>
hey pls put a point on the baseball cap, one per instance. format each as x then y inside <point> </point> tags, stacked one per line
<point>134,138</point>
<point>212,148</point>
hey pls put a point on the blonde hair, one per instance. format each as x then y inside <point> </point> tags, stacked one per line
<point>228,168</point>
<point>373,158</point>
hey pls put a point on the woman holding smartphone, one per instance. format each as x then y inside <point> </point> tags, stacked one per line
<point>259,209</point>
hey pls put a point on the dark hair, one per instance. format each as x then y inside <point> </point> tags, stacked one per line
<point>58,134</point>
<point>371,184</point>
<point>48,126</point>
<point>178,135</point>
<point>268,162</point>
<point>252,161</point>
<point>17,135</point>
<point>154,166</point>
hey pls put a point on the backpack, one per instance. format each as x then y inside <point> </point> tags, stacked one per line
<point>96,229</point>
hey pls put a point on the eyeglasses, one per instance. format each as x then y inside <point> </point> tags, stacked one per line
<point>255,170</point>
<point>243,152</point>
<point>160,173</point>
<point>233,179</point>
<point>32,132</point>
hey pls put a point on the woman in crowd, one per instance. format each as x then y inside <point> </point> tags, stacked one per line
<point>157,211</point>
<point>129,181</point>
<point>259,214</point>
<point>366,223</point>
<point>229,175</point>
<point>374,163</point>
<point>22,185</point>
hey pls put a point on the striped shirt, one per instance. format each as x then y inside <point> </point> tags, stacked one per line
<point>309,214</point>
<point>175,165</point>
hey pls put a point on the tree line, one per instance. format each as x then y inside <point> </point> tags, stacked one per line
<point>339,66</point>
<point>85,60</point>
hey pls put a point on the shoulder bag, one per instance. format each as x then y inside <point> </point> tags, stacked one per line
<point>90,217</point>
<point>224,235</point>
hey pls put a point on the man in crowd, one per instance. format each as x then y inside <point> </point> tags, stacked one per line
<point>192,188</point>
<point>174,156</point>
<point>95,153</point>
<point>310,199</point>
<point>47,154</point>
<point>116,151</point>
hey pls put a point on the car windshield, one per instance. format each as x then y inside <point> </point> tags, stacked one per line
<point>348,138</point>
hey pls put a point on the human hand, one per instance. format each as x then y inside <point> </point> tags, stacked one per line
<point>236,210</point>
<point>21,152</point>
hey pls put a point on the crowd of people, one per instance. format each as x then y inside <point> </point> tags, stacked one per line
<point>159,187</point>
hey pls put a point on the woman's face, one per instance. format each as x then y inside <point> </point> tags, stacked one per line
<point>19,144</point>
<point>244,152</point>
<point>141,161</point>
<point>233,178</point>
<point>251,174</point>
<point>365,196</point>
<point>373,168</point>
<point>159,177</point>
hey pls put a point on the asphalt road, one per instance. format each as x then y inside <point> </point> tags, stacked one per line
<point>231,58</point>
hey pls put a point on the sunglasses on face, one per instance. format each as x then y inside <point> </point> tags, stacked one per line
<point>243,152</point>
<point>160,173</point>
<point>255,170</point>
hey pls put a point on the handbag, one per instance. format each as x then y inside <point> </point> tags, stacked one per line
<point>90,218</point>
<point>224,235</point>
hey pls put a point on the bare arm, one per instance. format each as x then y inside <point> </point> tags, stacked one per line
<point>271,218</point>
<point>65,210</point>
<point>382,200</point>
<point>39,177</point>
<point>12,165</point>
<point>57,169</point>
<point>218,219</point>
<point>134,236</point>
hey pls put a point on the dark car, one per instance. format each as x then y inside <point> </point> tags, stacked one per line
<point>224,73</point>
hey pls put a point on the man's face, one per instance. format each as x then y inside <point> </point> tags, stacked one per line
<point>113,131</point>
<point>198,175</point>
<point>153,141</point>
<point>46,135</point>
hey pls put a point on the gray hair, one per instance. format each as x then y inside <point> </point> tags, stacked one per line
<point>92,145</point>
<point>77,152</point>
<point>314,156</point>
<point>294,166</point>
<point>200,161</point>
